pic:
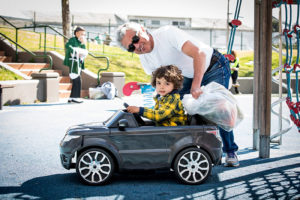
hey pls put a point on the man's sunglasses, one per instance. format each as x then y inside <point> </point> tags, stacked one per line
<point>131,47</point>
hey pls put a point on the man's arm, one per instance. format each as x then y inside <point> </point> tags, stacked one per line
<point>199,59</point>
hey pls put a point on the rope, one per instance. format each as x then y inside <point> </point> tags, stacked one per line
<point>289,69</point>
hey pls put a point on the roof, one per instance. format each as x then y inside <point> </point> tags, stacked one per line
<point>78,18</point>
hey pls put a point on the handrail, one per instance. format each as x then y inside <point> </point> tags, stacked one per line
<point>48,26</point>
<point>107,66</point>
<point>33,54</point>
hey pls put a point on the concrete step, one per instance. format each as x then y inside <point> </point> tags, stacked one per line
<point>28,72</point>
<point>65,86</point>
<point>64,79</point>
<point>5,59</point>
<point>53,70</point>
<point>67,93</point>
<point>20,66</point>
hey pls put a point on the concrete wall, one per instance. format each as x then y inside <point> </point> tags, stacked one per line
<point>21,92</point>
<point>246,86</point>
<point>43,88</point>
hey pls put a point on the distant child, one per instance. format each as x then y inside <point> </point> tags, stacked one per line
<point>168,109</point>
<point>234,66</point>
<point>74,59</point>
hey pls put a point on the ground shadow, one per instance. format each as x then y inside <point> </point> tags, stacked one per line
<point>277,182</point>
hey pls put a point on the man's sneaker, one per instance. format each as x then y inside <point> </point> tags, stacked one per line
<point>231,160</point>
<point>72,100</point>
<point>76,101</point>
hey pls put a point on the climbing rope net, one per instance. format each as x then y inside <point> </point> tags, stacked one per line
<point>291,68</point>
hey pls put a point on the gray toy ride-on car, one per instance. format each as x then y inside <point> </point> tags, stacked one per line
<point>127,142</point>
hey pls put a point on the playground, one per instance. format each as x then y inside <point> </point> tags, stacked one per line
<point>30,165</point>
<point>268,137</point>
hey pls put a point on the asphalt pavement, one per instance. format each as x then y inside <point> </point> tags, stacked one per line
<point>30,165</point>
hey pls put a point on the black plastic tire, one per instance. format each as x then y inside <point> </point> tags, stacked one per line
<point>95,167</point>
<point>192,166</point>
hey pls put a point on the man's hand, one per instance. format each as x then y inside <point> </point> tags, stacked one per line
<point>133,109</point>
<point>196,92</point>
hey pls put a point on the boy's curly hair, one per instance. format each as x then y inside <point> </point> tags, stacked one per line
<point>171,73</point>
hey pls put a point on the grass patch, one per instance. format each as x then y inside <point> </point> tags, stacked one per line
<point>6,75</point>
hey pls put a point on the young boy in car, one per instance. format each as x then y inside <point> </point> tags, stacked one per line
<point>168,109</point>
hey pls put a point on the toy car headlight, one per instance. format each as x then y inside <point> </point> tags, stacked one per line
<point>70,137</point>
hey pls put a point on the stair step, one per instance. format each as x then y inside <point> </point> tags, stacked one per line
<point>53,70</point>
<point>67,93</point>
<point>5,58</point>
<point>2,53</point>
<point>65,86</point>
<point>20,66</point>
<point>64,79</point>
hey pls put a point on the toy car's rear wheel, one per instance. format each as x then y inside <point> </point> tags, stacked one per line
<point>95,166</point>
<point>192,166</point>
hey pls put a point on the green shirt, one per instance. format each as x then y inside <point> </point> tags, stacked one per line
<point>73,42</point>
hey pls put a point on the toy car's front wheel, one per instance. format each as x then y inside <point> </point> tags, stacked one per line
<point>95,166</point>
<point>192,166</point>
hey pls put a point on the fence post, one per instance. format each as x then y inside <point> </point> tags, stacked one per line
<point>45,42</point>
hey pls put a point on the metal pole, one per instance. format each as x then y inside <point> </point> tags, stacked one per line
<point>40,40</point>
<point>227,34</point>
<point>34,19</point>
<point>45,41</point>
<point>54,40</point>
<point>241,40</point>
<point>109,26</point>
<point>16,44</point>
<point>88,37</point>
<point>210,33</point>
<point>280,76</point>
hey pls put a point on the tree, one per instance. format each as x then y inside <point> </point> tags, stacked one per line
<point>66,19</point>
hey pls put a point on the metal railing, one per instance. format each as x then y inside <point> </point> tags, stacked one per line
<point>32,53</point>
<point>45,44</point>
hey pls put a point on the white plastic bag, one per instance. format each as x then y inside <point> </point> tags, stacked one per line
<point>77,56</point>
<point>216,104</point>
<point>109,90</point>
<point>96,93</point>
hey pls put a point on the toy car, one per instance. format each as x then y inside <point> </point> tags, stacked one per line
<point>127,142</point>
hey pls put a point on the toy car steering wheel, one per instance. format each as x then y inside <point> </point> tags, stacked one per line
<point>139,120</point>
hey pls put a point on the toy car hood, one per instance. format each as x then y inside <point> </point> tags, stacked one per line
<point>83,129</point>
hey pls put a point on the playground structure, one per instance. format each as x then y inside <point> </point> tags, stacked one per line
<point>263,73</point>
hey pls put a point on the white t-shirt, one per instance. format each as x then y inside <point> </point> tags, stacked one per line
<point>167,50</point>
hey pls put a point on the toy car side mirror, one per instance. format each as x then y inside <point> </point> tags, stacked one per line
<point>123,123</point>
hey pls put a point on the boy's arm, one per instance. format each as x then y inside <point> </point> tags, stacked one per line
<point>165,111</point>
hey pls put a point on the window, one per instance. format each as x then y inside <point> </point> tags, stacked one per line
<point>178,23</point>
<point>134,20</point>
<point>155,22</point>
<point>182,23</point>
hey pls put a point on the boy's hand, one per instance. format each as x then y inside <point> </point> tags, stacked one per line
<point>133,109</point>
